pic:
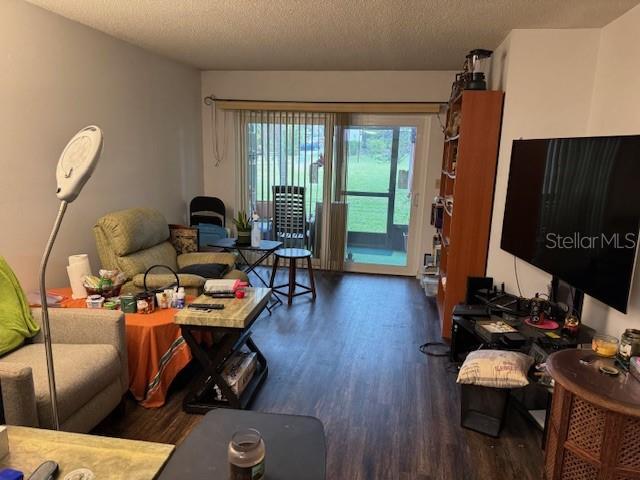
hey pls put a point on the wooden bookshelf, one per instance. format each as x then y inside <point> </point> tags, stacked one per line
<point>466,184</point>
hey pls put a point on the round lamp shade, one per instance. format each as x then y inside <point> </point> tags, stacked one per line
<point>77,162</point>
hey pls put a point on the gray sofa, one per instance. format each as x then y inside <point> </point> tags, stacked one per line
<point>90,361</point>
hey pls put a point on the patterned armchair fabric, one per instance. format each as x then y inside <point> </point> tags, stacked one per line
<point>135,239</point>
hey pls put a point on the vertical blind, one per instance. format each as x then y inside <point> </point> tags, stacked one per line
<point>285,171</point>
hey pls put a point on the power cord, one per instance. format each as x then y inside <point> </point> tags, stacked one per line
<point>515,270</point>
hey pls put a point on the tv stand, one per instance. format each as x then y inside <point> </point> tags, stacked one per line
<point>534,400</point>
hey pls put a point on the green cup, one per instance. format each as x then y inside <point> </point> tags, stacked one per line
<point>128,303</point>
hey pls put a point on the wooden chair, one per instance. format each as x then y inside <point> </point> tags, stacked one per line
<point>289,217</point>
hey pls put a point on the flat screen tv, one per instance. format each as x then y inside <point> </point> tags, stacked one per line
<point>573,210</point>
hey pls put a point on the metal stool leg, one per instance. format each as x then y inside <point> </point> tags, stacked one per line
<point>311,279</point>
<point>292,280</point>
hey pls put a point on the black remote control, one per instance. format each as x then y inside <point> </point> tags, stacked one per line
<point>45,471</point>
<point>207,306</point>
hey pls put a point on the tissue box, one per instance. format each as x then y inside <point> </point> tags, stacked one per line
<point>238,372</point>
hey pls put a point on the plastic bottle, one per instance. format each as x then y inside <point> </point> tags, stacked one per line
<point>179,298</point>
<point>256,235</point>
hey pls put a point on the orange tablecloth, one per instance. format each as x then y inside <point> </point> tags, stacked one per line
<point>155,347</point>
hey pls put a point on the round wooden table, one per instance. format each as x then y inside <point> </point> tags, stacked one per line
<point>293,255</point>
<point>593,431</point>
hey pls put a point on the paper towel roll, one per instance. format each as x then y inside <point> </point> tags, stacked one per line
<point>80,258</point>
<point>78,268</point>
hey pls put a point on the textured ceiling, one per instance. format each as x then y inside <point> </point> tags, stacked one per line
<point>327,34</point>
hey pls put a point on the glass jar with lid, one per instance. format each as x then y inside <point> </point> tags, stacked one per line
<point>246,455</point>
<point>629,345</point>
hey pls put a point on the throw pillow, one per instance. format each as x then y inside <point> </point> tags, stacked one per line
<point>206,270</point>
<point>495,368</point>
<point>16,321</point>
<point>184,239</point>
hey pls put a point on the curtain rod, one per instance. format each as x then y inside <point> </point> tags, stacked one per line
<point>326,106</point>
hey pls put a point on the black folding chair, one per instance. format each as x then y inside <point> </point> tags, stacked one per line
<point>209,210</point>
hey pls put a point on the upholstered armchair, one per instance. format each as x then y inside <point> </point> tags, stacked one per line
<point>135,239</point>
<point>90,361</point>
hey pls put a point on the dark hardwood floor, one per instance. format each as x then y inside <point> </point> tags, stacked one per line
<point>352,360</point>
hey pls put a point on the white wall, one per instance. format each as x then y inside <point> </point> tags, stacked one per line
<point>615,110</point>
<point>327,86</point>
<point>544,97</point>
<point>565,83</point>
<point>378,86</point>
<point>58,76</point>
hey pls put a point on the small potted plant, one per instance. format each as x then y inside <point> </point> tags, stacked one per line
<point>243,226</point>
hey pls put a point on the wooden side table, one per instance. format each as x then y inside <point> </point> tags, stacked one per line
<point>594,427</point>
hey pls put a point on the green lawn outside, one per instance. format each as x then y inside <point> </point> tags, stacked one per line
<point>368,171</point>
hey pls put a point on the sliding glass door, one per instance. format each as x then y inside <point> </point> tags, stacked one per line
<point>379,154</point>
<point>339,186</point>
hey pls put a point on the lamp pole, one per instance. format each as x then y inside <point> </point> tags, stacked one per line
<point>46,330</point>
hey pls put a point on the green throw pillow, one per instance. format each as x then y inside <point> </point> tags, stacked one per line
<point>16,321</point>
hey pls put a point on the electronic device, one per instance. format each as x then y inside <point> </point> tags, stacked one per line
<point>493,330</point>
<point>46,471</point>
<point>514,339</point>
<point>471,310</point>
<point>568,211</point>
<point>206,306</point>
<point>220,295</point>
<point>475,285</point>
<point>555,343</point>
<point>477,63</point>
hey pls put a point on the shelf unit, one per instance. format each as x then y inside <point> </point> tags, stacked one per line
<point>466,184</point>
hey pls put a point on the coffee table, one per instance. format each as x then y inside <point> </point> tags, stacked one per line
<point>295,446</point>
<point>230,329</point>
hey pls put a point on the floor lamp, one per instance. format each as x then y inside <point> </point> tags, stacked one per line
<point>75,166</point>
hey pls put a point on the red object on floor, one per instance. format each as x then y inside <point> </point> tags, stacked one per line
<point>155,348</point>
<point>546,324</point>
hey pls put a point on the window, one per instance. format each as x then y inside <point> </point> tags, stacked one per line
<point>286,150</point>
